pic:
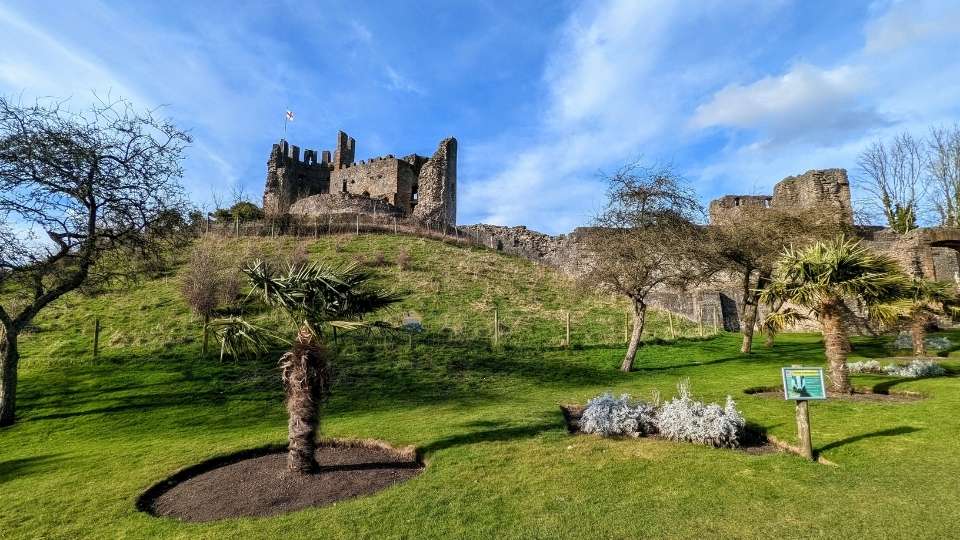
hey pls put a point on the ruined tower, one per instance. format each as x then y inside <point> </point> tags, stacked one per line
<point>436,193</point>
<point>414,186</point>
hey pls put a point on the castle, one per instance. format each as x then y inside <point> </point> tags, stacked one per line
<point>318,184</point>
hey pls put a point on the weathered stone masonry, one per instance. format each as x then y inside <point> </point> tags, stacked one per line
<point>416,186</point>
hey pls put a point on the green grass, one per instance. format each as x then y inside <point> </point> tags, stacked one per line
<point>92,435</point>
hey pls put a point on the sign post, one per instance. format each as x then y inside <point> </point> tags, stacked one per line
<point>802,384</point>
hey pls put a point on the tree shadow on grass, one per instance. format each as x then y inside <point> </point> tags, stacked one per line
<point>500,433</point>
<point>891,432</point>
<point>884,387</point>
<point>14,468</point>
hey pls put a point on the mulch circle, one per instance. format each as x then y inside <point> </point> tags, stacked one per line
<point>858,395</point>
<point>256,482</point>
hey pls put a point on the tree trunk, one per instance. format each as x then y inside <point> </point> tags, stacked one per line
<point>206,335</point>
<point>748,323</point>
<point>306,380</point>
<point>836,343</point>
<point>918,331</point>
<point>9,358</point>
<point>639,316</point>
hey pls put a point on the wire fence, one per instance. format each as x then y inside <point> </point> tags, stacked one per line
<point>351,223</point>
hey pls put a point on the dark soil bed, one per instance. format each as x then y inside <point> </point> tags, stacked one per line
<point>859,394</point>
<point>256,482</point>
<point>753,441</point>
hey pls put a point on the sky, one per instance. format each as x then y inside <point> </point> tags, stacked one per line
<point>544,97</point>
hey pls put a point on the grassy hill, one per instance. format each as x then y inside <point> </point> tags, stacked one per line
<point>94,435</point>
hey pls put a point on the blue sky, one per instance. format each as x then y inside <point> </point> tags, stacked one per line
<point>542,96</point>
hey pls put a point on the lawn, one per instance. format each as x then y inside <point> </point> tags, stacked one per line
<point>93,435</point>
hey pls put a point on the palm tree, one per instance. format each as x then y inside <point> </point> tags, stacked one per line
<point>821,276</point>
<point>926,299</point>
<point>313,296</point>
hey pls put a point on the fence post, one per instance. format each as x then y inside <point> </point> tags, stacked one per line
<point>673,334</point>
<point>358,223</point>
<point>715,319</point>
<point>236,224</point>
<point>496,327</point>
<point>567,342</point>
<point>96,338</point>
<point>394,225</point>
<point>700,320</point>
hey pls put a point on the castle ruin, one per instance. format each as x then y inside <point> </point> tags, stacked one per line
<point>323,183</point>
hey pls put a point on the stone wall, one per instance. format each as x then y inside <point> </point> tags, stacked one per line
<point>425,188</point>
<point>342,203</point>
<point>826,189</point>
<point>436,194</point>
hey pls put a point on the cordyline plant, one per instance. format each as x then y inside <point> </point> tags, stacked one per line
<point>821,276</point>
<point>313,296</point>
<point>925,301</point>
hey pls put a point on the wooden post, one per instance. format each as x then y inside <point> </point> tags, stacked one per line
<point>700,321</point>
<point>496,327</point>
<point>803,429</point>
<point>236,224</point>
<point>358,224</point>
<point>716,328</point>
<point>96,338</point>
<point>567,342</point>
<point>316,226</point>
<point>673,334</point>
<point>394,225</point>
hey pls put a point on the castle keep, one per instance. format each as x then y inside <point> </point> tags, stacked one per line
<point>323,183</point>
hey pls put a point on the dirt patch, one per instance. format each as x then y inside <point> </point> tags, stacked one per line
<point>256,482</point>
<point>753,441</point>
<point>859,394</point>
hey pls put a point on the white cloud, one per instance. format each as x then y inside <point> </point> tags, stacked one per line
<point>805,103</point>
<point>908,23</point>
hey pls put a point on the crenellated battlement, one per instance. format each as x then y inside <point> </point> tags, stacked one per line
<point>418,185</point>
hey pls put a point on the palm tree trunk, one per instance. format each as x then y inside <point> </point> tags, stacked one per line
<point>918,331</point>
<point>305,378</point>
<point>836,343</point>
<point>639,317</point>
<point>9,358</point>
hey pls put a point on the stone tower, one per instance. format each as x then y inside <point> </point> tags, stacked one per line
<point>437,186</point>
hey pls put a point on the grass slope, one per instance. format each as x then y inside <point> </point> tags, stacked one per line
<point>94,435</point>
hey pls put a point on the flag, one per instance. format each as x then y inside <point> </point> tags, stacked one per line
<point>289,116</point>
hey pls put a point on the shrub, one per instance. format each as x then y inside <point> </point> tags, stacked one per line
<point>403,260</point>
<point>868,366</point>
<point>933,343</point>
<point>685,419</point>
<point>378,259</point>
<point>299,255</point>
<point>915,369</point>
<point>609,416</point>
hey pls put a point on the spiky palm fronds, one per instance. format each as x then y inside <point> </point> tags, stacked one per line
<point>838,268</point>
<point>239,338</point>
<point>781,319</point>
<point>318,293</point>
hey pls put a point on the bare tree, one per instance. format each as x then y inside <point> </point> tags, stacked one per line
<point>209,279</point>
<point>893,175</point>
<point>746,245</point>
<point>943,166</point>
<point>644,239</point>
<point>81,196</point>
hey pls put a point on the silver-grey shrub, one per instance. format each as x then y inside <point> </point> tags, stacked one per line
<point>867,366</point>
<point>915,369</point>
<point>686,419</point>
<point>608,416</point>
<point>934,343</point>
